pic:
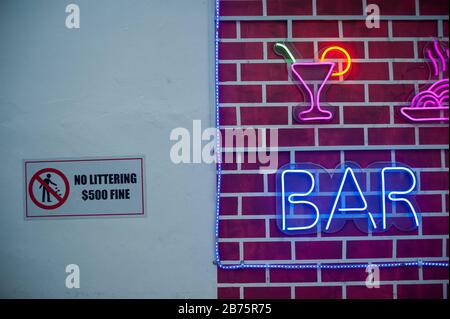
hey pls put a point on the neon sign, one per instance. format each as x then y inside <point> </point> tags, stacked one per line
<point>376,198</point>
<point>390,204</point>
<point>347,56</point>
<point>431,104</point>
<point>311,78</point>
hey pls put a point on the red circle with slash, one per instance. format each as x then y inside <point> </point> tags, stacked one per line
<point>60,199</point>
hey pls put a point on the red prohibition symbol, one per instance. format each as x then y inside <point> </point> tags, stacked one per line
<point>44,183</point>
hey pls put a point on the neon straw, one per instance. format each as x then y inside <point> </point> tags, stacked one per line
<point>284,51</point>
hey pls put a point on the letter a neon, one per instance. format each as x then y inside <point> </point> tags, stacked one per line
<point>357,209</point>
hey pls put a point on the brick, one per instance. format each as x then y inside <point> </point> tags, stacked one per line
<point>366,115</point>
<point>227,30</point>
<point>429,203</point>
<point>446,158</point>
<point>344,93</point>
<point>419,248</point>
<point>396,7</point>
<point>318,250</point>
<point>240,50</point>
<point>322,292</point>
<point>229,251</point>
<point>241,228</point>
<point>263,29</point>
<point>422,291</point>
<point>348,230</point>
<point>283,93</point>
<point>339,7</point>
<point>267,251</point>
<point>228,205</point>
<point>390,92</point>
<point>240,93</point>
<point>435,273</point>
<point>275,231</point>
<point>369,71</point>
<point>271,182</point>
<point>296,137</point>
<point>385,49</point>
<point>341,275</point>
<point>354,48</point>
<point>293,275</point>
<point>264,115</point>
<point>264,72</point>
<point>267,292</point>
<point>241,8</point>
<point>289,7</point>
<point>366,158</point>
<point>434,181</point>
<point>231,276</point>
<point>393,231</point>
<point>369,249</point>
<point>227,115</point>
<point>399,273</point>
<point>341,136</point>
<point>262,161</point>
<point>446,203</point>
<point>419,158</point>
<point>303,50</point>
<point>391,136</point>
<point>235,183</point>
<point>411,71</point>
<point>326,159</point>
<point>227,72</point>
<point>433,135</point>
<point>258,205</point>
<point>228,293</point>
<point>435,7</point>
<point>428,44</point>
<point>435,225</point>
<point>358,29</point>
<point>229,161</point>
<point>315,29</point>
<point>414,28</point>
<point>362,292</point>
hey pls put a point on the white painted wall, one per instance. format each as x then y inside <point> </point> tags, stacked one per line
<point>135,70</point>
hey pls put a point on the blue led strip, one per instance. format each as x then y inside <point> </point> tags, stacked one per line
<point>241,265</point>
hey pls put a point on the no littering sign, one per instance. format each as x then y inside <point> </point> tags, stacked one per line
<point>51,197</point>
<point>84,187</point>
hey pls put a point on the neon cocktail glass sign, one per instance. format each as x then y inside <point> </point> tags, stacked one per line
<point>311,78</point>
<point>309,199</point>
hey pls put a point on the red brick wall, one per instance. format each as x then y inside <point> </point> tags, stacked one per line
<point>255,91</point>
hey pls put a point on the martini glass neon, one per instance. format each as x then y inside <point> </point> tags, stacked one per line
<point>312,77</point>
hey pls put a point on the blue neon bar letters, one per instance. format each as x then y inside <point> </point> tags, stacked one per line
<point>389,185</point>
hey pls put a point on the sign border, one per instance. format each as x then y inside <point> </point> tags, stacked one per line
<point>141,158</point>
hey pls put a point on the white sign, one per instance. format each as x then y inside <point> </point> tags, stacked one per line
<point>84,187</point>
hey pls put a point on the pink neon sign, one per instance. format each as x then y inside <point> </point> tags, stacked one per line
<point>315,111</point>
<point>311,78</point>
<point>431,104</point>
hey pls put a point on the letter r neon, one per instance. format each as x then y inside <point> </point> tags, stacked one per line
<point>392,193</point>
